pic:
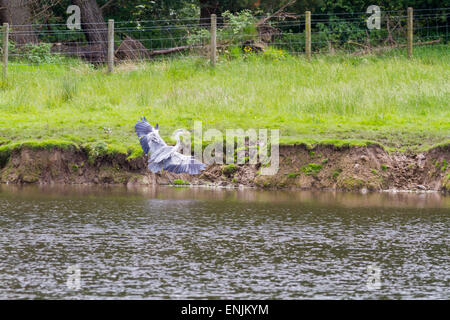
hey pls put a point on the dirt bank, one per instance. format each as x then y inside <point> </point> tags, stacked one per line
<point>323,167</point>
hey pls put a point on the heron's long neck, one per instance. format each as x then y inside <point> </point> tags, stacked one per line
<point>178,145</point>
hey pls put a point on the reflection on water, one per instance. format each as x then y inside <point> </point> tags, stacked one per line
<point>200,243</point>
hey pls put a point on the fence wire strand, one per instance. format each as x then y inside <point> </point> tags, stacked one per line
<point>345,32</point>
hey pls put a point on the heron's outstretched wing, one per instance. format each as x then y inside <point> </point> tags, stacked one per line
<point>180,163</point>
<point>148,136</point>
<point>159,156</point>
<point>143,128</point>
<point>163,153</point>
<point>155,167</point>
<point>163,156</point>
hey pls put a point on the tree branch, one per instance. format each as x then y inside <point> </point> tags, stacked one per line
<point>106,4</point>
<point>278,12</point>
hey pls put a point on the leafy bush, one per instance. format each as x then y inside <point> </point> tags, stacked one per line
<point>233,52</point>
<point>38,53</point>
<point>238,24</point>
<point>11,47</point>
<point>180,182</point>
<point>199,36</point>
<point>238,27</point>
<point>292,42</point>
<point>229,169</point>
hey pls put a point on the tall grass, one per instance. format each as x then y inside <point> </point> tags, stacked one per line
<point>398,102</point>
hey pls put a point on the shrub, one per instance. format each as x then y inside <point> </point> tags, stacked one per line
<point>38,53</point>
<point>293,174</point>
<point>311,169</point>
<point>229,169</point>
<point>180,182</point>
<point>237,24</point>
<point>336,174</point>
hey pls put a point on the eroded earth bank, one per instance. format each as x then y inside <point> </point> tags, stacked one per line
<point>368,168</point>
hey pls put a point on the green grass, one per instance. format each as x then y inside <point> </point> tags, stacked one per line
<point>340,100</point>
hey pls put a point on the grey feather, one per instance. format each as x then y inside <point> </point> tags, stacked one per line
<point>142,128</point>
<point>163,156</point>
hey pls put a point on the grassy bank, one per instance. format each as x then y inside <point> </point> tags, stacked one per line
<point>400,103</point>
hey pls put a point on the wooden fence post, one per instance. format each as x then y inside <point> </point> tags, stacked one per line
<point>5,49</point>
<point>213,39</point>
<point>410,32</point>
<point>308,35</point>
<point>110,45</point>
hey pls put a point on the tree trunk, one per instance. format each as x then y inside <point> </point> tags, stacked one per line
<point>207,8</point>
<point>95,29</point>
<point>18,14</point>
<point>92,22</point>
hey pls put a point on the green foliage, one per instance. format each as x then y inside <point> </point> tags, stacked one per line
<point>11,46</point>
<point>233,52</point>
<point>238,26</point>
<point>336,174</point>
<point>101,149</point>
<point>441,165</point>
<point>444,165</point>
<point>384,167</point>
<point>38,53</point>
<point>293,174</point>
<point>311,169</point>
<point>239,13</point>
<point>293,41</point>
<point>180,182</point>
<point>229,170</point>
<point>339,30</point>
<point>135,152</point>
<point>446,183</point>
<point>96,150</point>
<point>5,154</point>
<point>351,183</point>
<point>199,36</point>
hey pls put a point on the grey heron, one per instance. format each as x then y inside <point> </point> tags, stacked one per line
<point>163,156</point>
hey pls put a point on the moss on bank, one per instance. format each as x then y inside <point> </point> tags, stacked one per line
<point>95,150</point>
<point>7,149</point>
<point>446,182</point>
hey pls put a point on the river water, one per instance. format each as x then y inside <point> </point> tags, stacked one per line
<point>160,243</point>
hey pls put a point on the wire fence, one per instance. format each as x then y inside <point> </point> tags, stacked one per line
<point>54,44</point>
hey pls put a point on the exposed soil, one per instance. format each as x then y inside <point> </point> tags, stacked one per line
<point>324,167</point>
